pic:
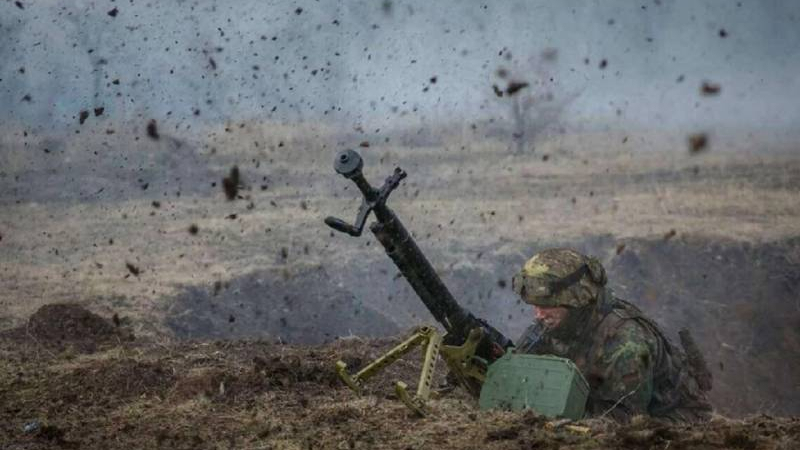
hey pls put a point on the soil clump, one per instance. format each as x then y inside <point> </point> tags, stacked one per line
<point>60,326</point>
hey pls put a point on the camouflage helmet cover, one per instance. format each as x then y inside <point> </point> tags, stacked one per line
<point>560,277</point>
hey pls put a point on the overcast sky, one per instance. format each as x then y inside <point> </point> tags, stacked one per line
<point>621,63</point>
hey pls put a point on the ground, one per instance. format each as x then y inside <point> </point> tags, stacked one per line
<point>220,320</point>
<point>257,395</point>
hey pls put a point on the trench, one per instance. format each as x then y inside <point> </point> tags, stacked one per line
<point>740,301</point>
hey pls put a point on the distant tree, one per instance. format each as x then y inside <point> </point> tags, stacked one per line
<point>528,91</point>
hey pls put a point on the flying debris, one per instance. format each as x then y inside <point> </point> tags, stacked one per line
<point>512,88</point>
<point>698,143</point>
<point>709,89</point>
<point>152,130</point>
<point>516,86</point>
<point>231,183</point>
<point>134,270</point>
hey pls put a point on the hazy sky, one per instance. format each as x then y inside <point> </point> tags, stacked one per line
<point>374,62</point>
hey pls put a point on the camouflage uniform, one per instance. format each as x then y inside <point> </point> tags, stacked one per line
<point>631,366</point>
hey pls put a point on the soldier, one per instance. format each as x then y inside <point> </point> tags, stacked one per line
<point>630,365</point>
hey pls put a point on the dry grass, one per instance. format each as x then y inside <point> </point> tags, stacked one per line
<point>454,198</point>
<point>275,407</point>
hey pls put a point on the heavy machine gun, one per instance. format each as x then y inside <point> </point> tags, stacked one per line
<point>469,345</point>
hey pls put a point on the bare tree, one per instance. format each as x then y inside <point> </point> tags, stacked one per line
<point>528,91</point>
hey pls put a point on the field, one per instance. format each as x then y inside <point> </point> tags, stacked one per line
<point>240,307</point>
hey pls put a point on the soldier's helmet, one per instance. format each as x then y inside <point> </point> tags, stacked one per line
<point>560,277</point>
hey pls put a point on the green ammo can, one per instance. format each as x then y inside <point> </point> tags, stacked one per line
<point>549,385</point>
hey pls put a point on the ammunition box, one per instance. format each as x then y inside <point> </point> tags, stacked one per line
<point>549,385</point>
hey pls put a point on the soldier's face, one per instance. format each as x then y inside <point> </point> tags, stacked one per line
<point>550,316</point>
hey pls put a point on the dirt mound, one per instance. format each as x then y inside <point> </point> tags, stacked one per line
<point>59,326</point>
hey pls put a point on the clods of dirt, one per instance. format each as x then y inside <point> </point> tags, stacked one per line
<point>698,142</point>
<point>133,269</point>
<point>709,88</point>
<point>232,183</point>
<point>516,86</point>
<point>152,130</point>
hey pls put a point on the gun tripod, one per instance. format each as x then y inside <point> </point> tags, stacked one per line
<point>460,359</point>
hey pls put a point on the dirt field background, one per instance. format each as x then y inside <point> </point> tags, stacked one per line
<point>140,230</point>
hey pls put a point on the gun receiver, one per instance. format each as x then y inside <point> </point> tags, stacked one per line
<point>403,250</point>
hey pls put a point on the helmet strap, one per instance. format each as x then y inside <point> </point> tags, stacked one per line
<point>557,286</point>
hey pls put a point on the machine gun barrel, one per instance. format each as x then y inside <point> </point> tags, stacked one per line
<point>413,264</point>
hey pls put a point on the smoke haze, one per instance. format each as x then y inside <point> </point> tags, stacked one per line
<point>384,64</point>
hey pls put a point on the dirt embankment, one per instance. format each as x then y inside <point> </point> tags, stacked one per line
<point>740,302</point>
<point>250,394</point>
<point>738,299</point>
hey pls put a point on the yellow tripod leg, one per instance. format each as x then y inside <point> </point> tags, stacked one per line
<point>418,403</point>
<point>463,363</point>
<point>356,381</point>
<point>401,389</point>
<point>422,335</point>
<point>352,383</point>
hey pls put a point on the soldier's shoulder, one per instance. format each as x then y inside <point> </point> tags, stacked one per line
<point>625,323</point>
<point>625,328</point>
<point>626,345</point>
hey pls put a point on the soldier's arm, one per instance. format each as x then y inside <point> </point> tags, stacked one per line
<point>625,374</point>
